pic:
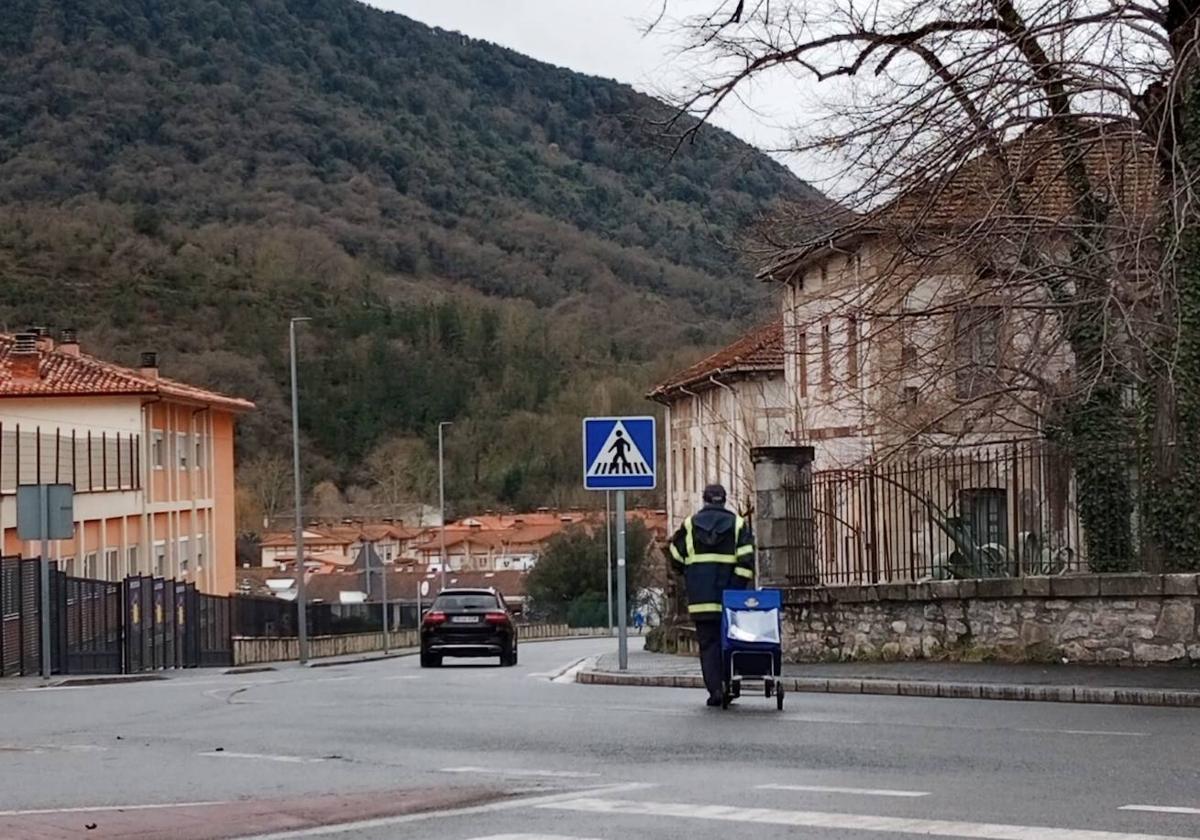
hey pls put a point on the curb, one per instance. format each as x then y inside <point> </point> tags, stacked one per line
<point>115,679</point>
<point>929,688</point>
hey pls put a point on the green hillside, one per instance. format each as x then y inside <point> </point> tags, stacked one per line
<point>479,236</point>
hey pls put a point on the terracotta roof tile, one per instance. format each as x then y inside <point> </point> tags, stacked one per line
<point>62,374</point>
<point>981,199</point>
<point>759,351</point>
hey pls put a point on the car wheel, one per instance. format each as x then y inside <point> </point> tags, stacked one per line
<point>509,657</point>
<point>430,660</point>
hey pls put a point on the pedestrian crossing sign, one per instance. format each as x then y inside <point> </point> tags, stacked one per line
<point>619,453</point>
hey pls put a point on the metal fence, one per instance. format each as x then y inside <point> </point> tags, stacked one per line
<point>140,624</point>
<point>980,513</point>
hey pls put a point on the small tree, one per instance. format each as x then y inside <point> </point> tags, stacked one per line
<point>264,491</point>
<point>568,581</point>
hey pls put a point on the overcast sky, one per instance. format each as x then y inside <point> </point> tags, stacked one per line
<point>606,38</point>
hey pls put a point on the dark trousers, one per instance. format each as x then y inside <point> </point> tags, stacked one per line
<point>708,635</point>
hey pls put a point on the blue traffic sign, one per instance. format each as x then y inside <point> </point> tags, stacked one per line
<point>619,453</point>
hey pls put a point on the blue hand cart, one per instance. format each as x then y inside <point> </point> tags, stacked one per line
<point>752,643</point>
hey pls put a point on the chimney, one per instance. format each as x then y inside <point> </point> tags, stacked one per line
<point>68,342</point>
<point>149,365</point>
<point>45,342</point>
<point>25,357</point>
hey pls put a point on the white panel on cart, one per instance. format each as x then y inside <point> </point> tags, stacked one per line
<point>754,626</point>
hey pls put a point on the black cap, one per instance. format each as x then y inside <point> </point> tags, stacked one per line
<point>714,494</point>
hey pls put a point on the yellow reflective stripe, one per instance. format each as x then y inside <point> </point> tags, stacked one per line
<point>691,542</point>
<point>728,559</point>
<point>675,553</point>
<point>742,571</point>
<point>743,550</point>
<point>737,528</point>
<point>704,608</point>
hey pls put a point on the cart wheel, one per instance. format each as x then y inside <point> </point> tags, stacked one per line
<point>779,696</point>
<point>736,692</point>
<point>726,696</point>
<point>768,688</point>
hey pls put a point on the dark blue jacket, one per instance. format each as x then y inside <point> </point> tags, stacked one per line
<point>714,550</point>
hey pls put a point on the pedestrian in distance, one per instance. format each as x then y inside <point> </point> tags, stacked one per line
<point>714,551</point>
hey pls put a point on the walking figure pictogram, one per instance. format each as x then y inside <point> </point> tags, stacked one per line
<point>620,463</point>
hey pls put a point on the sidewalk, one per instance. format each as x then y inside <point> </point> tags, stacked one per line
<point>982,681</point>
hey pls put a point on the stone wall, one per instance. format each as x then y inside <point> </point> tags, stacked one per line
<point>1112,619</point>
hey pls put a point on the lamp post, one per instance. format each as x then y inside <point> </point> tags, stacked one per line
<point>442,494</point>
<point>301,601</point>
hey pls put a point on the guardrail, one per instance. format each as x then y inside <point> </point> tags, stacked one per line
<point>260,650</point>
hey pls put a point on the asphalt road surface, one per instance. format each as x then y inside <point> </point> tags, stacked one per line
<point>388,750</point>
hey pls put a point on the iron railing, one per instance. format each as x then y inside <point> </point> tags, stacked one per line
<point>979,513</point>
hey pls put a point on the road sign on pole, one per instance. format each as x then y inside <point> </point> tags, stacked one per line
<point>619,453</point>
<point>45,512</point>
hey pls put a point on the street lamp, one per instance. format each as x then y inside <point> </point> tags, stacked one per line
<point>301,601</point>
<point>442,494</point>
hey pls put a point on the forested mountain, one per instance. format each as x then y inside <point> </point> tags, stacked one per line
<point>478,236</point>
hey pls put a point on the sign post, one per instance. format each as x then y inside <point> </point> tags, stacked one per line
<point>45,512</point>
<point>619,455</point>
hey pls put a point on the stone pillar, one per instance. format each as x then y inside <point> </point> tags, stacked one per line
<point>783,516</point>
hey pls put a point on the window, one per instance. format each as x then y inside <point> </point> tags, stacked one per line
<point>707,468</point>
<point>89,565</point>
<point>908,358</point>
<point>852,350</point>
<point>112,562</point>
<point>826,359</point>
<point>802,362</point>
<point>695,472</point>
<point>977,350</point>
<point>824,274</point>
<point>160,560</point>
<point>181,450</point>
<point>984,512</point>
<point>466,602</point>
<point>199,554</point>
<point>158,446</point>
<point>198,462</point>
<point>67,566</point>
<point>911,394</point>
<point>131,560</point>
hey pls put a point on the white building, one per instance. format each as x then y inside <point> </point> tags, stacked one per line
<point>717,410</point>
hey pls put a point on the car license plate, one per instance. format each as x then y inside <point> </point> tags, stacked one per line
<point>465,619</point>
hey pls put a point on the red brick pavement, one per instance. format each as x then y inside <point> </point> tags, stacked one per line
<point>239,818</point>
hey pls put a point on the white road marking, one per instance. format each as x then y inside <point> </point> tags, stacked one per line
<point>532,837</point>
<point>1161,809</point>
<point>44,748</point>
<point>285,759</point>
<point>493,771</point>
<point>902,794</point>
<point>509,805</point>
<point>97,808</point>
<point>839,822</point>
<point>1115,733</point>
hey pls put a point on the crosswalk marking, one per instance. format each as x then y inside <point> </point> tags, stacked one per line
<point>283,759</point>
<point>839,822</point>
<point>1161,809</point>
<point>499,771</point>
<point>531,837</point>
<point>902,794</point>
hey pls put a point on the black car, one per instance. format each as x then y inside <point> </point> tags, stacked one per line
<point>468,622</point>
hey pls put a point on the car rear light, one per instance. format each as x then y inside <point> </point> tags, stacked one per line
<point>496,618</point>
<point>434,618</point>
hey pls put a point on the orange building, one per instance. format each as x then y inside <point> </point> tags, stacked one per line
<point>151,460</point>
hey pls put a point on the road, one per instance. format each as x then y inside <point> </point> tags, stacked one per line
<point>517,754</point>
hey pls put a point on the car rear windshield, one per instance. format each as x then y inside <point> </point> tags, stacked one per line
<point>453,603</point>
